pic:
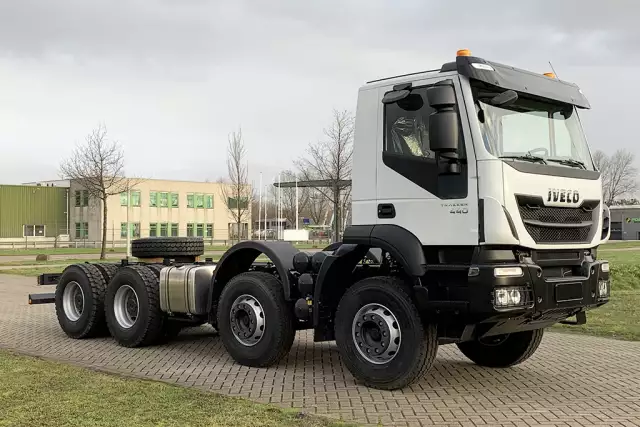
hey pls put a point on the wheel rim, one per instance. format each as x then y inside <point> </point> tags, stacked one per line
<point>126,306</point>
<point>376,333</point>
<point>247,320</point>
<point>73,301</point>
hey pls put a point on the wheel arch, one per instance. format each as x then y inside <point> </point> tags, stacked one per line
<point>399,242</point>
<point>239,258</point>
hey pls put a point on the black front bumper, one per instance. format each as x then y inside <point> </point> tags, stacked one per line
<point>548,299</point>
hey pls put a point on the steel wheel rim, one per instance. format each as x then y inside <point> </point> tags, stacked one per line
<point>247,320</point>
<point>73,301</point>
<point>376,333</point>
<point>126,306</point>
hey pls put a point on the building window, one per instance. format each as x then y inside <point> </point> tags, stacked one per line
<point>81,198</point>
<point>29,230</point>
<point>164,229</point>
<point>82,230</point>
<point>189,230</point>
<point>209,230</point>
<point>153,199</point>
<point>164,200</point>
<point>208,201</point>
<point>135,198</point>
<point>174,200</point>
<point>135,230</point>
<point>232,203</point>
<point>200,230</point>
<point>153,229</point>
<point>174,230</point>
<point>190,203</point>
<point>199,200</point>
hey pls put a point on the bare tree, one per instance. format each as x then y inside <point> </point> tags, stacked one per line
<point>98,166</point>
<point>619,175</point>
<point>330,161</point>
<point>236,191</point>
<point>316,207</point>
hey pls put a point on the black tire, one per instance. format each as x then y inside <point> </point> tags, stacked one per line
<point>89,320</point>
<point>161,247</point>
<point>279,328</point>
<point>418,342</point>
<point>502,351</point>
<point>148,326</point>
<point>107,270</point>
<point>156,269</point>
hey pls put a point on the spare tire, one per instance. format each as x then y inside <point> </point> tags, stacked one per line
<point>167,247</point>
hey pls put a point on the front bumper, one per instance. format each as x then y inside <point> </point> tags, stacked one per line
<point>539,293</point>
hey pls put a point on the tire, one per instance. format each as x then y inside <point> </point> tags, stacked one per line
<point>142,323</point>
<point>388,300</point>
<point>156,269</point>
<point>160,247</point>
<point>257,350</point>
<point>80,310</point>
<point>503,351</point>
<point>107,270</point>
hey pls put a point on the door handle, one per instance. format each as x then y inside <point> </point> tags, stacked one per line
<point>386,210</point>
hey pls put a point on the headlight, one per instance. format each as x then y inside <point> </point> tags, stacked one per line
<point>509,297</point>
<point>507,272</point>
<point>603,289</point>
<point>604,267</point>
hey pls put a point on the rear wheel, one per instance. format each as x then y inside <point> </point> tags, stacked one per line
<point>380,335</point>
<point>107,270</point>
<point>79,301</point>
<point>255,322</point>
<point>133,307</point>
<point>502,351</point>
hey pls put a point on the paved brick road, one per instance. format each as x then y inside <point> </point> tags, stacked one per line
<point>571,380</point>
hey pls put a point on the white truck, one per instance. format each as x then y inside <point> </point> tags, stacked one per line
<point>477,216</point>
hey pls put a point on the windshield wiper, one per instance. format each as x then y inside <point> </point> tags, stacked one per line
<point>569,162</point>
<point>525,157</point>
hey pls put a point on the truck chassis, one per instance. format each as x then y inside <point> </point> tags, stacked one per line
<point>387,308</point>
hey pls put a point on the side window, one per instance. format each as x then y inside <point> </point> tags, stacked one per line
<point>407,126</point>
<point>406,147</point>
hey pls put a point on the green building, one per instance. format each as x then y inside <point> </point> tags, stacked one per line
<point>32,211</point>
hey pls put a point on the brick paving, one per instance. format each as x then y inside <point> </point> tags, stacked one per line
<point>572,380</point>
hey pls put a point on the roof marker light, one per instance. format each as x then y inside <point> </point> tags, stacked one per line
<point>550,75</point>
<point>463,52</point>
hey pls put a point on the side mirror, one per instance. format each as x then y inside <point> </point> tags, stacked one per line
<point>443,123</point>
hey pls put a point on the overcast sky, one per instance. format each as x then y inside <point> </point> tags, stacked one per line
<point>171,79</point>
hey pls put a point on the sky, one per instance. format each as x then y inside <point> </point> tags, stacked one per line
<point>170,79</point>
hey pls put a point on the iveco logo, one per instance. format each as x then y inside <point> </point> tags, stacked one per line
<point>563,196</point>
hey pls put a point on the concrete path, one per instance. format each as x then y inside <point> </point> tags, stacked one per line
<point>572,380</point>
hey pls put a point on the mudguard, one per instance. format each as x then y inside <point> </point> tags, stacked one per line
<point>399,242</point>
<point>239,258</point>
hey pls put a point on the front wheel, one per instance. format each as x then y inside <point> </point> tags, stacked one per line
<point>380,335</point>
<point>502,351</point>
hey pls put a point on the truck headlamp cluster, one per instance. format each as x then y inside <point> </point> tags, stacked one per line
<point>604,289</point>
<point>509,297</point>
<point>604,267</point>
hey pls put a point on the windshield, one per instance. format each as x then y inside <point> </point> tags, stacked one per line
<point>539,131</point>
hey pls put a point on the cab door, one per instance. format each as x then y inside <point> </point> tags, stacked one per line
<point>412,192</point>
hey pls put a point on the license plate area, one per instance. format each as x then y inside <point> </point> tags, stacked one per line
<point>567,292</point>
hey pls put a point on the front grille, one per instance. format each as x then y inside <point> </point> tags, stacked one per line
<point>550,224</point>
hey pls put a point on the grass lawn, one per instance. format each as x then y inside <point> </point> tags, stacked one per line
<point>37,392</point>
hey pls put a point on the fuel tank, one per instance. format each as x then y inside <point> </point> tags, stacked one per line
<point>184,289</point>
